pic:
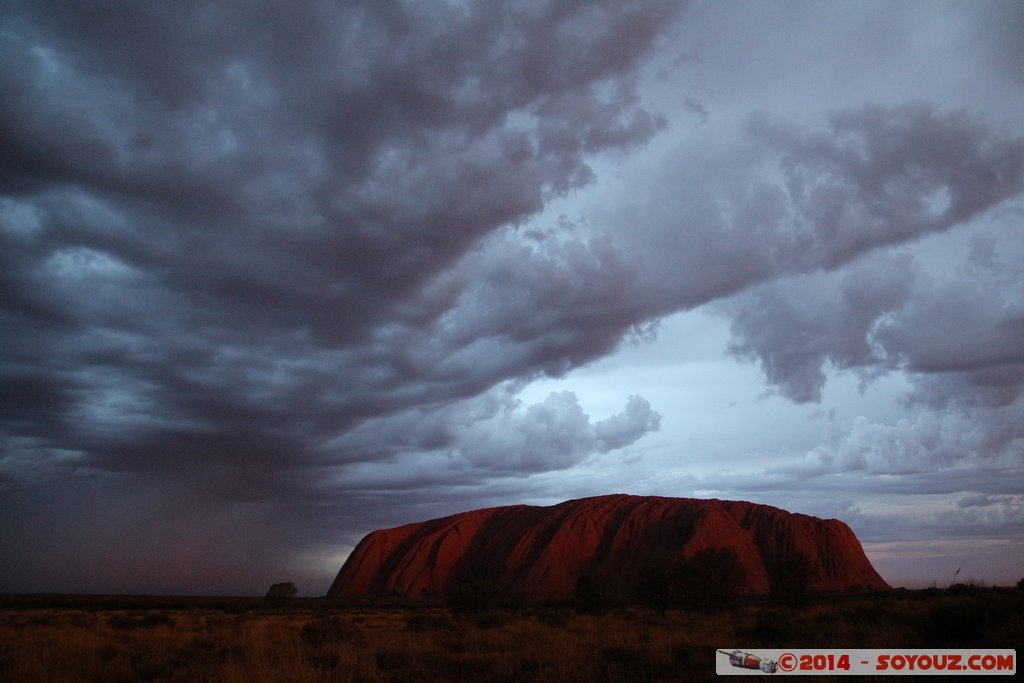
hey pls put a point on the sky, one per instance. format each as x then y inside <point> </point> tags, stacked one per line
<point>274,275</point>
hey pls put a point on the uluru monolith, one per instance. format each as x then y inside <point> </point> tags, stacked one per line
<point>542,552</point>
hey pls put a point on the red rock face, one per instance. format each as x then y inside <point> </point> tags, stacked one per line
<point>540,552</point>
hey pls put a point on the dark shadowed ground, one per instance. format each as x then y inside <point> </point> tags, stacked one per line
<point>133,638</point>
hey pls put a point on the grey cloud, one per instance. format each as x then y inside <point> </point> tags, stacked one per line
<point>983,500</point>
<point>358,182</point>
<point>495,433</point>
<point>994,388</point>
<point>981,521</point>
<point>551,304</point>
<point>952,525</point>
<point>957,325</point>
<point>553,434</point>
<point>928,441</point>
<point>623,429</point>
<point>953,329</point>
<point>697,108</point>
<point>1004,23</point>
<point>713,226</point>
<point>884,175</point>
<point>797,327</point>
<point>235,232</point>
<point>986,477</point>
<point>718,218</point>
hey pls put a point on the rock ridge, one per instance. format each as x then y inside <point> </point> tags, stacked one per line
<point>541,552</point>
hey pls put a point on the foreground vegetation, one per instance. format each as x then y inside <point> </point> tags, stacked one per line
<point>126,639</point>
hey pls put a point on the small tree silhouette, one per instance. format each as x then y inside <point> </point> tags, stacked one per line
<point>280,593</point>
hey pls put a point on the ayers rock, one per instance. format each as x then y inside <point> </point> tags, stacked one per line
<point>540,552</point>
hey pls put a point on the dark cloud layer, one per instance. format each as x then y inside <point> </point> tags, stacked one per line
<point>238,231</point>
<point>266,269</point>
<point>788,200</point>
<point>494,433</point>
<point>225,227</point>
<point>956,333</point>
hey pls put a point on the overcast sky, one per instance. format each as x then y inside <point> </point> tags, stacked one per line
<point>273,275</point>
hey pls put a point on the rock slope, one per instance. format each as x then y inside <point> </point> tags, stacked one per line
<point>541,552</point>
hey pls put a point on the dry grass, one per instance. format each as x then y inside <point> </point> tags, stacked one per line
<point>317,642</point>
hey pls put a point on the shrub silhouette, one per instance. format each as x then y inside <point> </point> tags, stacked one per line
<point>280,593</point>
